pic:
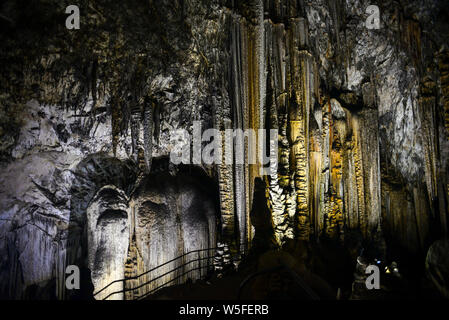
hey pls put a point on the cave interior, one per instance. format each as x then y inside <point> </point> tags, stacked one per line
<point>359,175</point>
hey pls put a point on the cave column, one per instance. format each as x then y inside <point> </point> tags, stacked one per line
<point>301,66</point>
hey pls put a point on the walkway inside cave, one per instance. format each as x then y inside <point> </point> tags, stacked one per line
<point>329,284</point>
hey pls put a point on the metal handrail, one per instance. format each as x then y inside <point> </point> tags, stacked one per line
<point>157,278</point>
<point>164,284</point>
<point>179,276</point>
<point>160,276</point>
<point>151,270</point>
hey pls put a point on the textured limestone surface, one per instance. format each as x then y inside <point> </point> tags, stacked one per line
<point>108,238</point>
<point>437,266</point>
<point>86,117</point>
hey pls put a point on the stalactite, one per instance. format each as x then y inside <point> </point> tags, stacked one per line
<point>443,68</point>
<point>323,210</point>
<point>148,132</point>
<point>244,77</point>
<point>411,38</point>
<point>136,119</point>
<point>254,97</point>
<point>358,168</point>
<point>371,168</point>
<point>239,105</point>
<point>298,120</point>
<point>352,196</point>
<point>315,181</point>
<point>335,215</point>
<point>443,101</point>
<point>276,192</point>
<point>116,117</point>
<point>248,81</point>
<point>427,105</point>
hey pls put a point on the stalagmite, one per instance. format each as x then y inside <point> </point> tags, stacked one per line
<point>108,227</point>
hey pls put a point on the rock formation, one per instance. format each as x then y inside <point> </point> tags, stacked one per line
<point>87,119</point>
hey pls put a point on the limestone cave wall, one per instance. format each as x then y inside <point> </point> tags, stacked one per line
<point>86,118</point>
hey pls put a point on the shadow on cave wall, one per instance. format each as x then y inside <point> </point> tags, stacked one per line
<point>328,258</point>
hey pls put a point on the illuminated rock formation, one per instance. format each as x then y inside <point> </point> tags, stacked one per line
<point>172,216</point>
<point>362,118</point>
<point>108,235</point>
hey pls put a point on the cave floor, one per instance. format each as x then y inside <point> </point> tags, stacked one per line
<point>279,285</point>
<point>225,288</point>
